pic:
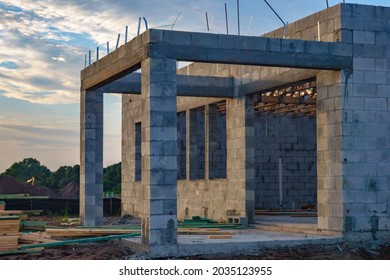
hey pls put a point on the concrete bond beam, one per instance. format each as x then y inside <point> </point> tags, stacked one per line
<point>216,48</point>
<point>248,50</point>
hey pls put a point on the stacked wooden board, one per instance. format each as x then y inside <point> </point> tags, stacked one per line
<point>9,232</point>
<point>73,232</point>
<point>35,237</point>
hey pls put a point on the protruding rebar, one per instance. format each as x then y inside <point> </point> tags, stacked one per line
<point>274,12</point>
<point>207,22</point>
<point>173,25</point>
<point>226,18</point>
<point>238,17</point>
<point>117,41</point>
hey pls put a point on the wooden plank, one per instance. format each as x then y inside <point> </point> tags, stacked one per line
<point>13,217</point>
<point>11,196</point>
<point>20,212</point>
<point>21,196</point>
<point>8,242</point>
<point>33,225</point>
<point>70,232</point>
<point>206,232</point>
<point>36,237</point>
<point>77,241</point>
<point>219,237</point>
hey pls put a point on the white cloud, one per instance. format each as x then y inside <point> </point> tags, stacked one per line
<point>59,59</point>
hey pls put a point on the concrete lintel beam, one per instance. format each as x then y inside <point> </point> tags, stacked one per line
<point>197,86</point>
<point>128,84</point>
<point>203,86</point>
<point>282,79</point>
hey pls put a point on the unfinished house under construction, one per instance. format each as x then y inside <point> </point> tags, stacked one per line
<point>295,119</point>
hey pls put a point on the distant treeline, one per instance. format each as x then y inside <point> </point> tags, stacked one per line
<point>30,168</point>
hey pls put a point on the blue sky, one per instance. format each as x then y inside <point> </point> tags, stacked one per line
<point>42,48</point>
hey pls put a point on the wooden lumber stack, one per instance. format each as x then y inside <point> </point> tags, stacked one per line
<point>73,232</point>
<point>203,231</point>
<point>35,237</point>
<point>9,233</point>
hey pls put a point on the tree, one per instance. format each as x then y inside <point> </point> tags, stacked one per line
<point>112,178</point>
<point>28,168</point>
<point>63,176</point>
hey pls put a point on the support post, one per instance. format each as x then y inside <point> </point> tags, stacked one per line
<point>91,157</point>
<point>249,159</point>
<point>159,152</point>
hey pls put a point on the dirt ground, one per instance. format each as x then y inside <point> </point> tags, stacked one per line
<point>112,251</point>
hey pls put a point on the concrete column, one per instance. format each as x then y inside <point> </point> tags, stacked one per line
<point>91,158</point>
<point>249,159</point>
<point>329,150</point>
<point>240,157</point>
<point>159,152</point>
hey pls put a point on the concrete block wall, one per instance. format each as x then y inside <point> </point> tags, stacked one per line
<point>194,195</point>
<point>352,131</point>
<point>229,194</point>
<point>321,26</point>
<point>293,140</point>
<point>220,197</point>
<point>131,189</point>
<point>329,151</point>
<point>366,128</point>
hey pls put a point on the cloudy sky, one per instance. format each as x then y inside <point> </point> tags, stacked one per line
<point>42,49</point>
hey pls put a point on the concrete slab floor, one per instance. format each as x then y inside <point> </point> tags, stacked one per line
<point>244,241</point>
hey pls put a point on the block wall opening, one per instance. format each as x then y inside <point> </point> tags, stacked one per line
<point>181,145</point>
<point>137,152</point>
<point>197,143</point>
<point>217,140</point>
